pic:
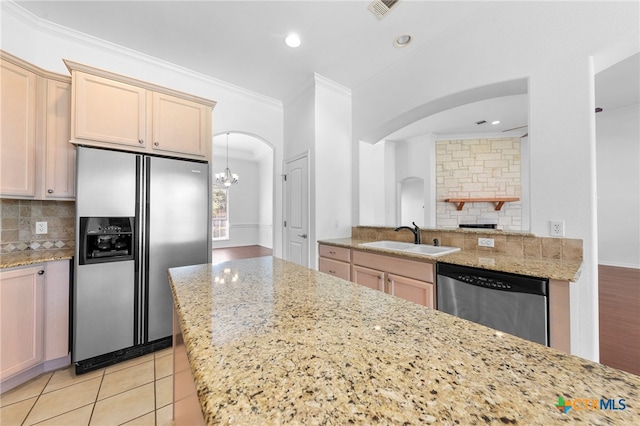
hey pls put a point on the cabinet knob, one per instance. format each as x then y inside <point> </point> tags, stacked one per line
<point>50,191</point>
<point>41,272</point>
<point>332,252</point>
<point>379,277</point>
<point>140,141</point>
<point>156,143</point>
<point>332,272</point>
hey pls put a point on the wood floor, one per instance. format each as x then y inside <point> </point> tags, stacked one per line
<point>619,303</point>
<point>234,253</point>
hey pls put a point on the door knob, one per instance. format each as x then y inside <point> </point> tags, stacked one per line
<point>302,235</point>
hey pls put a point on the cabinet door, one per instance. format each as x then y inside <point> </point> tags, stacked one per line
<point>368,277</point>
<point>60,155</point>
<point>105,110</point>
<point>18,97</point>
<point>179,125</point>
<point>56,319</point>
<point>21,312</point>
<point>419,292</point>
<point>335,268</point>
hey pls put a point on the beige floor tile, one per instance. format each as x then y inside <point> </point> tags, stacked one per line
<point>163,352</point>
<point>164,416</point>
<point>164,391</point>
<point>68,377</point>
<point>77,417</point>
<point>129,363</point>
<point>146,420</point>
<point>26,390</point>
<point>15,414</point>
<point>126,379</point>
<point>64,400</point>
<point>125,406</point>
<point>164,366</point>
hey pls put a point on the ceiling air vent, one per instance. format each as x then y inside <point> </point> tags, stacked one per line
<point>380,8</point>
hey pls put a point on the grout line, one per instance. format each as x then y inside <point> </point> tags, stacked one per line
<point>93,408</point>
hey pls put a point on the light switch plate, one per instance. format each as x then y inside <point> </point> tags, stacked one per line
<point>41,228</point>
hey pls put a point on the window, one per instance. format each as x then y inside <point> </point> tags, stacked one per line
<point>220,216</point>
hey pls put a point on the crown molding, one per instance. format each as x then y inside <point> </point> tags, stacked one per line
<point>45,26</point>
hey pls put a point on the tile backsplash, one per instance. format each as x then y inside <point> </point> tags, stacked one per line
<point>18,225</point>
<point>509,243</point>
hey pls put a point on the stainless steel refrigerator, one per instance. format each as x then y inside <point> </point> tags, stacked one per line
<point>136,216</point>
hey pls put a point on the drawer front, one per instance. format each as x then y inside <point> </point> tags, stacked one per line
<point>335,268</point>
<point>422,271</point>
<point>338,253</point>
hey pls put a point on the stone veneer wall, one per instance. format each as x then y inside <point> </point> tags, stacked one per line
<point>511,244</point>
<point>478,168</point>
<point>18,225</point>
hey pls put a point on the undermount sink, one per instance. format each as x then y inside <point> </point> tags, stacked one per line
<point>412,248</point>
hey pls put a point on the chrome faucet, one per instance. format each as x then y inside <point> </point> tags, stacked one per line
<point>415,230</point>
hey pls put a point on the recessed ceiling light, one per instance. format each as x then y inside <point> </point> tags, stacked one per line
<point>402,40</point>
<point>293,40</point>
<point>495,122</point>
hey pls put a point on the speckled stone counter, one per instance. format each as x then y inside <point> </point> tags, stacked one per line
<point>286,344</point>
<point>31,257</point>
<point>563,270</point>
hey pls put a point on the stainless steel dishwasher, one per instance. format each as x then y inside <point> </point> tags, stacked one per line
<point>511,303</point>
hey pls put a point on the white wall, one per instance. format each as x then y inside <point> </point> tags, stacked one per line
<point>618,167</point>
<point>45,45</point>
<point>265,200</point>
<point>317,121</point>
<point>333,160</point>
<point>551,44</point>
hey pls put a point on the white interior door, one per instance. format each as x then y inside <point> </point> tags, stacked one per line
<point>297,211</point>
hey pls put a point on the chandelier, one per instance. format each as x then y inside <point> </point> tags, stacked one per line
<point>227,178</point>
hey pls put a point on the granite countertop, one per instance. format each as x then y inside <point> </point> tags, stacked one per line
<point>563,270</point>
<point>31,257</point>
<point>287,344</point>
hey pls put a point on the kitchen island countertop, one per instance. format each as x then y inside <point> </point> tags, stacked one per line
<point>281,343</point>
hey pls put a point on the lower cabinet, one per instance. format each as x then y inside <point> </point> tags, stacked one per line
<point>22,315</point>
<point>408,279</point>
<point>335,261</point>
<point>34,314</point>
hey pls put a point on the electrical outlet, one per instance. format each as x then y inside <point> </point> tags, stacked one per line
<point>41,227</point>
<point>485,242</point>
<point>556,228</point>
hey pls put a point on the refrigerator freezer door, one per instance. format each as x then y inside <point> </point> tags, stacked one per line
<point>106,183</point>
<point>177,231</point>
<point>104,309</point>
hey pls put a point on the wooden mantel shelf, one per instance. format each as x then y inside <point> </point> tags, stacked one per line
<point>499,201</point>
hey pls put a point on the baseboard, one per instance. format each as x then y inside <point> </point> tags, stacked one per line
<point>34,372</point>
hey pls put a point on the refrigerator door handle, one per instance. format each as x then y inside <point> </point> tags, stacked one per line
<point>140,252</point>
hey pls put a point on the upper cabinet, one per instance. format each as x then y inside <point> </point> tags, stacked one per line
<point>35,106</point>
<point>110,110</point>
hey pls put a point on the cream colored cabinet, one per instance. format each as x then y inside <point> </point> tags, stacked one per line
<point>34,327</point>
<point>22,314</point>
<point>179,125</point>
<point>18,98</point>
<point>368,277</point>
<point>416,291</point>
<point>335,261</point>
<point>58,181</point>
<point>408,279</point>
<point>105,110</point>
<point>37,160</point>
<point>118,112</point>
